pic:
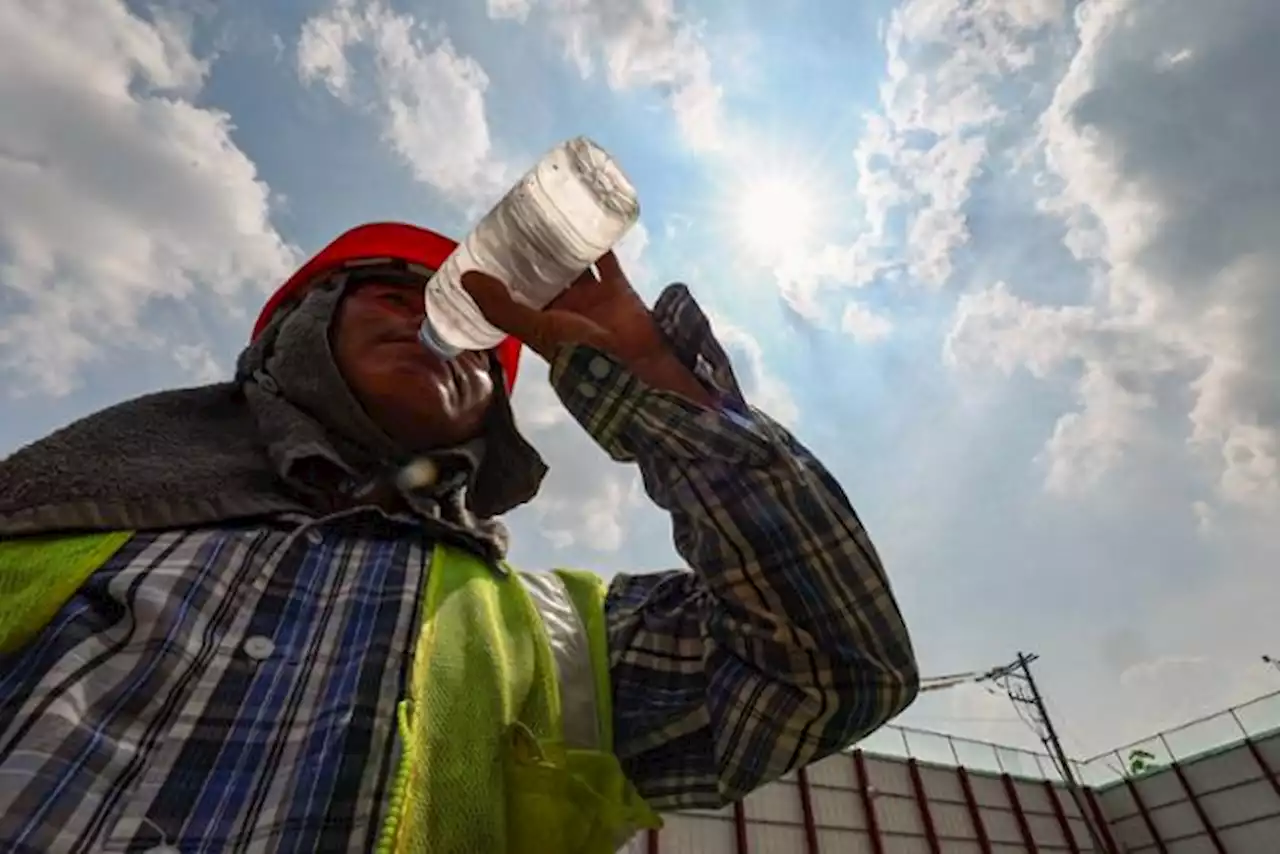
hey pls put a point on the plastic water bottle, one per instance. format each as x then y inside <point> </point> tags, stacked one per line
<point>571,208</point>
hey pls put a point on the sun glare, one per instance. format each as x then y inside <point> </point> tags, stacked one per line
<point>775,218</point>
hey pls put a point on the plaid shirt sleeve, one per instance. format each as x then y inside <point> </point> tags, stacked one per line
<point>782,642</point>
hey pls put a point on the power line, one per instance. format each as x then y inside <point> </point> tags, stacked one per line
<point>1068,731</point>
<point>1020,686</point>
<point>941,684</point>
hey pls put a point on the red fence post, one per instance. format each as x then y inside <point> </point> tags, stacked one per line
<point>651,842</point>
<point>806,806</point>
<point>1099,819</point>
<point>975,815</point>
<point>740,827</point>
<point>1070,837</point>
<point>868,803</point>
<point>1199,809</point>
<point>922,801</point>
<point>1019,815</point>
<point>1146,815</point>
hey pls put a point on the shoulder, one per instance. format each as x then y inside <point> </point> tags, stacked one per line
<point>129,419</point>
<point>129,441</point>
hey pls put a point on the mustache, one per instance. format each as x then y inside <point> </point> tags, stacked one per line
<point>409,335</point>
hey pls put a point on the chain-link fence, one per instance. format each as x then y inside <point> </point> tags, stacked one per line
<point>1249,720</point>
<point>974,754</point>
<point>1205,735</point>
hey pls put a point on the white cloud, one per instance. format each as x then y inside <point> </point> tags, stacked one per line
<point>945,57</point>
<point>1152,163</point>
<point>865,325</point>
<point>946,91</point>
<point>1156,146</point>
<point>1206,521</point>
<point>586,498</point>
<point>591,518</point>
<point>198,363</point>
<point>118,190</point>
<point>641,44</point>
<point>514,10</point>
<point>946,83</point>
<point>323,45</point>
<point>1109,364</point>
<point>630,251</point>
<point>1191,649</point>
<point>1088,444</point>
<point>534,402</point>
<point>417,85</point>
<point>994,326</point>
<point>1162,667</point>
<point>1168,184</point>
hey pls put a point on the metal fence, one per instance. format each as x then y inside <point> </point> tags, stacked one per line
<point>1205,735</point>
<point>941,749</point>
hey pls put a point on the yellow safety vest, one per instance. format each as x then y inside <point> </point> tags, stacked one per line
<point>506,742</point>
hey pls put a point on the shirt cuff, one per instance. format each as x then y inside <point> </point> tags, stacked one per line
<point>629,419</point>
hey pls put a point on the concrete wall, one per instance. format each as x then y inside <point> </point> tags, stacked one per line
<point>1226,802</point>
<point>915,808</point>
<point>1220,802</point>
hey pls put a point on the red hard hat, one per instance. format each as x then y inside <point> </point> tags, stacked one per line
<point>380,240</point>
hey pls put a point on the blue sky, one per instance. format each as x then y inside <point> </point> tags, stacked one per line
<point>1021,306</point>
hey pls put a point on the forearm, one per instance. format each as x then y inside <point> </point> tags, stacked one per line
<point>800,645</point>
<point>804,648</point>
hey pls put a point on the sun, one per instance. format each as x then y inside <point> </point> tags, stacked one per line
<point>775,217</point>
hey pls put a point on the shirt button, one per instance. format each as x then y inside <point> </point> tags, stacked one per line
<point>599,367</point>
<point>314,537</point>
<point>586,390</point>
<point>259,648</point>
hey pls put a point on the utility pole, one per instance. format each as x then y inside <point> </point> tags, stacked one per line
<point>1025,692</point>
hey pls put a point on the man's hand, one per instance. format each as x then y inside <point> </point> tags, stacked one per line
<point>603,312</point>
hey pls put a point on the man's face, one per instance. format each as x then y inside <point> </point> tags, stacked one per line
<point>418,399</point>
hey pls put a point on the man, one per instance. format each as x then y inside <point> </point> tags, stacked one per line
<point>273,614</point>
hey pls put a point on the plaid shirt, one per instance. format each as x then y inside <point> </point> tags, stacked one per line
<point>234,688</point>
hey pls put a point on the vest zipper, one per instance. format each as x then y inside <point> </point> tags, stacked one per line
<point>387,838</point>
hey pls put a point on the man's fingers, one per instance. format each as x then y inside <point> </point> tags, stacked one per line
<point>558,328</point>
<point>496,304</point>
<point>541,331</point>
<point>587,279</point>
<point>610,269</point>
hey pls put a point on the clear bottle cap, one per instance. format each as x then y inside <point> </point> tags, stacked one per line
<point>433,342</point>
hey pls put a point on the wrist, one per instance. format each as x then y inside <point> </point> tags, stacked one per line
<point>662,370</point>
